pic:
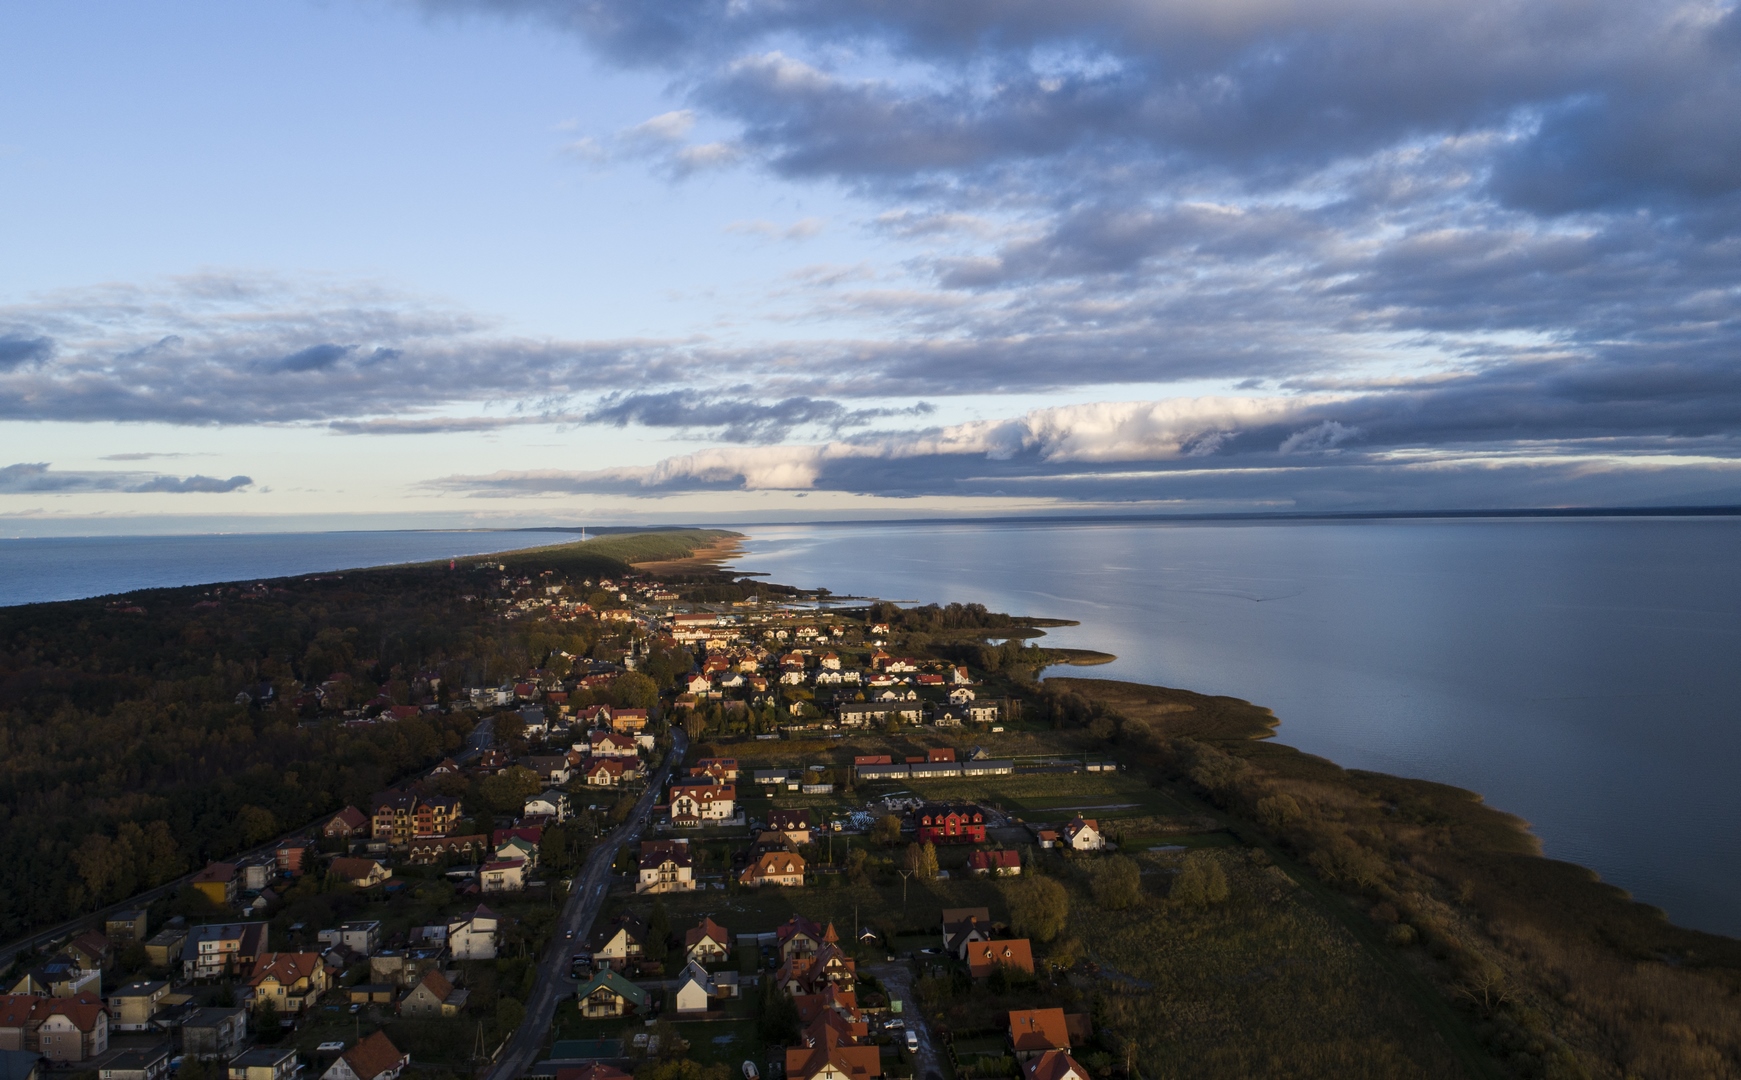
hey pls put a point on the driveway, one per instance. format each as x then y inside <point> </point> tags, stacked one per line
<point>586,897</point>
<point>897,979</point>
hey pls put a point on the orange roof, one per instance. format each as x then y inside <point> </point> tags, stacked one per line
<point>856,1062</point>
<point>1038,1029</point>
<point>15,1009</point>
<point>287,967</point>
<point>774,864</point>
<point>437,983</point>
<point>373,1056</point>
<point>83,1010</point>
<point>709,931</point>
<point>984,957</point>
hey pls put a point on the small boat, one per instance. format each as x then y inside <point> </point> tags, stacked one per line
<point>750,1072</point>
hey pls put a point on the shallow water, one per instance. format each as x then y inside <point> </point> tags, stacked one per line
<point>1583,674</point>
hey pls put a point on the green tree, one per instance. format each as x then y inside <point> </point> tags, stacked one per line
<point>257,823</point>
<point>1039,907</point>
<point>507,791</point>
<point>886,831</point>
<point>266,1027</point>
<point>633,690</point>
<point>1200,881</point>
<point>1118,883</point>
<point>509,1013</point>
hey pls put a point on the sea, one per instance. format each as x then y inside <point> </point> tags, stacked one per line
<point>1584,674</point>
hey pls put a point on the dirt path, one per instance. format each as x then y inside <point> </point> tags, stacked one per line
<point>897,979</point>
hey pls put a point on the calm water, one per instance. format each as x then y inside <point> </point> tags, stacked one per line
<point>1585,675</point>
<point>66,568</point>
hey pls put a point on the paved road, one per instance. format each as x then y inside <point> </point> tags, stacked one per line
<point>585,899</point>
<point>897,979</point>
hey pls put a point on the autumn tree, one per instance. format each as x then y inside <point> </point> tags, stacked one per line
<point>1039,908</point>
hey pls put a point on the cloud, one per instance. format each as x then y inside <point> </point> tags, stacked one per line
<point>1440,438</point>
<point>737,419</point>
<point>38,478</point>
<point>16,350</point>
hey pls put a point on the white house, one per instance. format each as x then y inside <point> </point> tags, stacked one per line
<point>1083,834</point>
<point>502,876</point>
<point>552,802</point>
<point>694,989</point>
<point>961,695</point>
<point>473,937</point>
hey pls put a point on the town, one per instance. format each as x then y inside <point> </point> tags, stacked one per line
<point>828,885</point>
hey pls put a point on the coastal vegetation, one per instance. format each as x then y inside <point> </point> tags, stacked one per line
<point>143,735</point>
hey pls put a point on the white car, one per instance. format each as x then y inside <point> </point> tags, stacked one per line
<point>912,1041</point>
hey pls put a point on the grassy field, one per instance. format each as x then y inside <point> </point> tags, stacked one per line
<point>1097,795</point>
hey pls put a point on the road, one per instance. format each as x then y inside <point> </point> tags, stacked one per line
<point>897,979</point>
<point>586,896</point>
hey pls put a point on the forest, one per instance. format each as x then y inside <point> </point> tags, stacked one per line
<point>141,736</point>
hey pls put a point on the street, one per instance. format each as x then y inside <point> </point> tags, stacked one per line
<point>585,900</point>
<point>897,979</point>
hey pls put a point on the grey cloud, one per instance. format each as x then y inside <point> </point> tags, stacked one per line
<point>738,420</point>
<point>38,478</point>
<point>16,350</point>
<point>313,358</point>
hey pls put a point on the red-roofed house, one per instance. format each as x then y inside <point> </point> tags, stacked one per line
<point>1035,1031</point>
<point>985,957</point>
<point>1001,863</point>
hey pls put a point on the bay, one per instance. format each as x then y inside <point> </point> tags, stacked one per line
<point>1583,674</point>
<point>35,570</point>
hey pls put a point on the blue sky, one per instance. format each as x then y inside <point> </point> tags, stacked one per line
<point>294,264</point>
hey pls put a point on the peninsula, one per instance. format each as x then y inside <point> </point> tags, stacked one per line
<point>610,808</point>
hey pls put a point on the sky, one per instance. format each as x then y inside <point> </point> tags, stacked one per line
<point>469,263</point>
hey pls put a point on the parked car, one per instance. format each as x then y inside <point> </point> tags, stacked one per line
<point>912,1041</point>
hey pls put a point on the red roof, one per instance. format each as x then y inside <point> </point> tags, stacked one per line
<point>995,860</point>
<point>985,957</point>
<point>1038,1029</point>
<point>374,1056</point>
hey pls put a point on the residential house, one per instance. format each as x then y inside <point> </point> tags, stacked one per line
<point>91,950</point>
<point>213,1032</point>
<point>798,936</point>
<point>375,1058</point>
<point>696,804</point>
<point>941,824</point>
<point>618,943</point>
<point>290,858</point>
<point>429,850</point>
<point>15,1015</point>
<point>611,744</point>
<point>982,712</point>
<point>433,997</point>
<point>147,1063</point>
<point>436,815</point>
<point>132,1007</point>
<point>1083,834</point>
<point>609,994</point>
<point>1035,1031</point>
<point>1001,863</point>
<point>71,1029</point>
<point>985,957</point>
<point>961,695</point>
<point>473,936</point>
<point>665,866</point>
<point>552,769</point>
<point>774,868</point>
<point>345,824</point>
<point>628,721</point>
<point>707,943</point>
<point>551,803</point>
<point>363,873</point>
<point>217,882</point>
<point>361,936</point>
<point>496,877</point>
<point>604,772</point>
<point>292,982</point>
<point>516,847</point>
<point>1047,839</point>
<point>964,926</point>
<point>794,823</point>
<point>126,926</point>
<point>719,770</point>
<point>163,947</point>
<point>264,1063</point>
<point>393,817</point>
<point>222,949</point>
<point>695,989</point>
<point>1053,1065</point>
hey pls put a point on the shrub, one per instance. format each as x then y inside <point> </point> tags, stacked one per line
<point>1201,882</point>
<point>1118,883</point>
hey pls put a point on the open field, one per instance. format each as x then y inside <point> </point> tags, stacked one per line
<point>1105,795</point>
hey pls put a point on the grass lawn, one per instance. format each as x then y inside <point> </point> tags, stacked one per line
<point>1055,795</point>
<point>729,1042</point>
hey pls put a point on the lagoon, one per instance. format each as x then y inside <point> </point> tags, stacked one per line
<point>1584,674</point>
